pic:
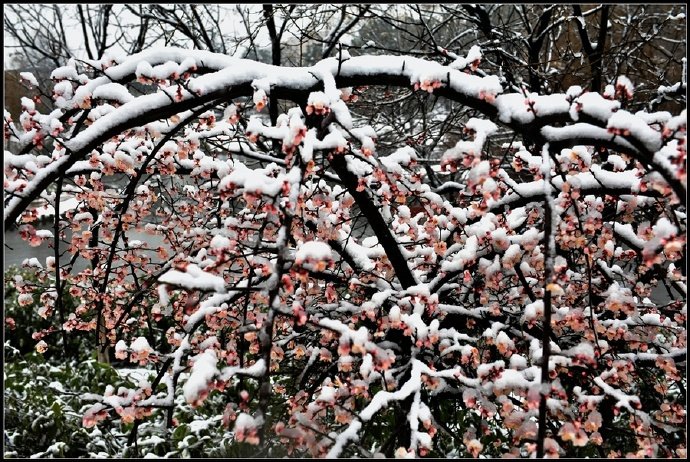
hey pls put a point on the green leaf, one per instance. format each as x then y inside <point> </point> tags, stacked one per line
<point>57,409</point>
<point>180,432</point>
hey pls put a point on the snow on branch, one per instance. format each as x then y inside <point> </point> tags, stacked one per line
<point>326,269</point>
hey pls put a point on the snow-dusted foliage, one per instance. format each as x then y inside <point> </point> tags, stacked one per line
<point>531,301</point>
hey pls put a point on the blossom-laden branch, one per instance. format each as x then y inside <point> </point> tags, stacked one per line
<point>523,285</point>
<point>229,77</point>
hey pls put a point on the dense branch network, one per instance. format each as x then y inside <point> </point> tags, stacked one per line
<point>523,289</point>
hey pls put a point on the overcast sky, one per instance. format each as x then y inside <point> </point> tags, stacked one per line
<point>231,24</point>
